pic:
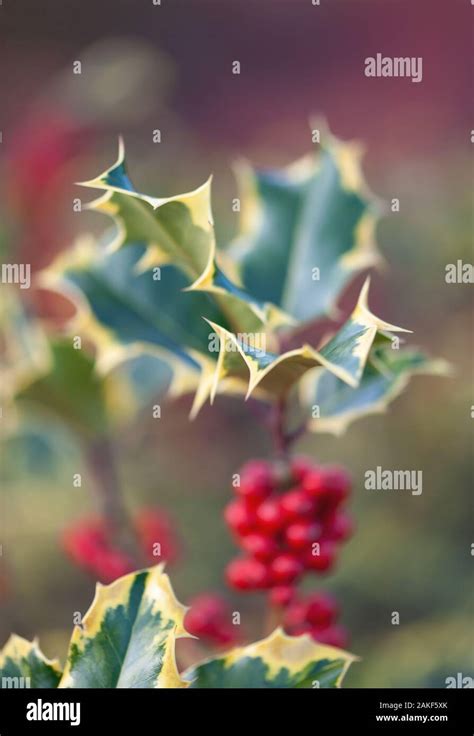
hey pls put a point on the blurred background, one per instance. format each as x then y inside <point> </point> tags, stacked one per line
<point>168,67</point>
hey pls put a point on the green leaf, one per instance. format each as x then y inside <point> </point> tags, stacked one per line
<point>22,664</point>
<point>71,389</point>
<point>280,661</point>
<point>24,351</point>
<point>127,637</point>
<point>315,214</point>
<point>344,355</point>
<point>127,313</point>
<point>177,230</point>
<point>386,375</point>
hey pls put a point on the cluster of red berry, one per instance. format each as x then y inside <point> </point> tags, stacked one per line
<point>316,615</point>
<point>209,618</point>
<point>286,526</point>
<point>87,544</point>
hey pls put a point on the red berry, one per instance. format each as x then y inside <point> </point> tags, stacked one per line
<point>258,467</point>
<point>300,630</point>
<point>285,568</point>
<point>156,535</point>
<point>337,482</point>
<point>247,574</point>
<point>209,619</point>
<point>239,517</point>
<point>282,595</point>
<point>300,467</point>
<point>111,564</point>
<point>256,481</point>
<point>300,534</point>
<point>334,636</point>
<point>313,483</point>
<point>331,483</point>
<point>295,615</point>
<point>83,541</point>
<point>259,546</point>
<point>322,609</point>
<point>270,517</point>
<point>339,527</point>
<point>322,558</point>
<point>295,504</point>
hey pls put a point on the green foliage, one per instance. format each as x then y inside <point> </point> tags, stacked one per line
<point>127,639</point>
<point>21,661</point>
<point>162,286</point>
<point>280,661</point>
<point>314,218</point>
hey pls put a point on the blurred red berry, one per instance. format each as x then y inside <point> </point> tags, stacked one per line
<point>88,544</point>
<point>315,615</point>
<point>301,630</point>
<point>256,481</point>
<point>156,535</point>
<point>300,534</point>
<point>83,541</point>
<point>270,517</point>
<point>111,564</point>
<point>282,595</point>
<point>285,568</point>
<point>321,559</point>
<point>300,467</point>
<point>322,609</point>
<point>337,482</point>
<point>295,615</point>
<point>291,531</point>
<point>239,517</point>
<point>339,527</point>
<point>295,504</point>
<point>209,618</point>
<point>313,483</point>
<point>334,636</point>
<point>247,574</point>
<point>260,546</point>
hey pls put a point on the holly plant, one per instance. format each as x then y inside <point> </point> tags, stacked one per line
<point>127,639</point>
<point>259,319</point>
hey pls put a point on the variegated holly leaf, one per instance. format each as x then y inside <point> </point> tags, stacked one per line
<point>22,664</point>
<point>331,405</point>
<point>60,377</point>
<point>306,230</point>
<point>24,352</point>
<point>344,355</point>
<point>177,230</point>
<point>127,637</point>
<point>127,313</point>
<point>89,402</point>
<point>280,661</point>
<point>70,390</point>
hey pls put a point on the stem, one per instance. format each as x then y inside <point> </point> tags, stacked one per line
<point>284,440</point>
<point>279,437</point>
<point>101,463</point>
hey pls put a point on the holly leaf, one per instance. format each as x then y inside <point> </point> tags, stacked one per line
<point>61,378</point>
<point>71,390</point>
<point>127,313</point>
<point>344,355</point>
<point>24,351</point>
<point>127,637</point>
<point>306,230</point>
<point>177,230</point>
<point>22,664</point>
<point>279,661</point>
<point>332,405</point>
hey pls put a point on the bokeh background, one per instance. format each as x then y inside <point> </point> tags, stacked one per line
<point>169,67</point>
